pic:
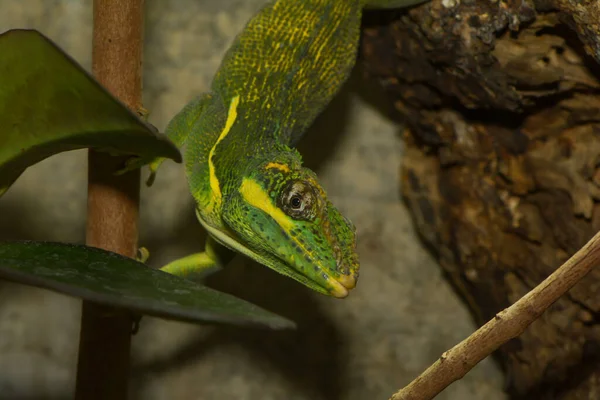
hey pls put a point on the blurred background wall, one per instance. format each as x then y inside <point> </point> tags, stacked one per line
<point>400,318</point>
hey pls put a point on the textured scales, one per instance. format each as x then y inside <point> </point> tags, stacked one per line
<point>253,195</point>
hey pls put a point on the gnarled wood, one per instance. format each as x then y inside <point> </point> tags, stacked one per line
<point>501,101</point>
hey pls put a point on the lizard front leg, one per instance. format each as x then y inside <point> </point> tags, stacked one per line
<point>199,265</point>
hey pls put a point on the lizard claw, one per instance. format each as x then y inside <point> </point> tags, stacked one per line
<point>137,162</point>
<point>143,255</point>
<point>153,168</point>
<point>143,113</point>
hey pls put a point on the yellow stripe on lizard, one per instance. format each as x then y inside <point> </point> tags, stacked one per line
<point>231,117</point>
<point>254,195</point>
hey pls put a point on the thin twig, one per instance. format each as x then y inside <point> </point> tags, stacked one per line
<point>506,325</point>
<point>113,201</point>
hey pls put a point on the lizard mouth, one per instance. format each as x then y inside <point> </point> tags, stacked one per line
<point>337,285</point>
<point>342,285</point>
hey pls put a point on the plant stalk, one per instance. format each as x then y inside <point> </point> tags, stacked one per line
<point>113,202</point>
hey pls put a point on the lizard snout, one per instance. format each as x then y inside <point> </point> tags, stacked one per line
<point>347,281</point>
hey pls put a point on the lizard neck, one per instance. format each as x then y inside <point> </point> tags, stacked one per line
<point>287,64</point>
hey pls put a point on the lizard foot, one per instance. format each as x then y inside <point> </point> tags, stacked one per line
<point>143,255</point>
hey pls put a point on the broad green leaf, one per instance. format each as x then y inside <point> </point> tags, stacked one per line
<point>108,278</point>
<point>50,104</point>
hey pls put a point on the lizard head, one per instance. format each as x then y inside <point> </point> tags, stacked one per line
<point>282,216</point>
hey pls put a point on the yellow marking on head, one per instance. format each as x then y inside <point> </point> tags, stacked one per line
<point>231,117</point>
<point>257,197</point>
<point>281,167</point>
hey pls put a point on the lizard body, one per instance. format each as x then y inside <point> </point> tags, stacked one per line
<point>253,195</point>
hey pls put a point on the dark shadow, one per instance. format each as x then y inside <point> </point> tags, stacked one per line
<point>35,397</point>
<point>573,41</point>
<point>15,223</point>
<point>559,381</point>
<point>310,357</point>
<point>369,90</point>
<point>320,142</point>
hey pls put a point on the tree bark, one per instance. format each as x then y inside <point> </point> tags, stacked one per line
<point>500,169</point>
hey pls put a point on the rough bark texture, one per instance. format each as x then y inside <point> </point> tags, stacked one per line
<point>501,169</point>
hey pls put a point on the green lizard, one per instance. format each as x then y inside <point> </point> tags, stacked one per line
<point>253,196</point>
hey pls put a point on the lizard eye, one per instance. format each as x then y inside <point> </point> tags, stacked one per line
<point>298,200</point>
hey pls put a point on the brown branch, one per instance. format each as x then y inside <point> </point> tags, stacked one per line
<point>113,201</point>
<point>507,324</point>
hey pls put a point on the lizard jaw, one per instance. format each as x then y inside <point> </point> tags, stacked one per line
<point>338,286</point>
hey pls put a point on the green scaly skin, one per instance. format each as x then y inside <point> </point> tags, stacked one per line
<point>253,195</point>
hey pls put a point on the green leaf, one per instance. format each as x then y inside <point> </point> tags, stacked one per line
<point>50,104</point>
<point>108,278</point>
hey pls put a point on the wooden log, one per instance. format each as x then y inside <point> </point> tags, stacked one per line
<point>501,167</point>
